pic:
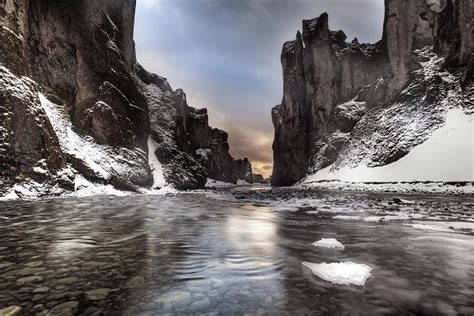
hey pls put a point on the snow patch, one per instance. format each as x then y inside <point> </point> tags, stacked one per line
<point>344,273</point>
<point>328,243</point>
<point>103,160</point>
<point>155,165</point>
<point>448,155</point>
<point>83,188</point>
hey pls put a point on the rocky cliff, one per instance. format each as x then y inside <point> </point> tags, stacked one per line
<point>74,102</point>
<point>345,103</point>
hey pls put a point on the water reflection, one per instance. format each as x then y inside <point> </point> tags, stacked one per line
<point>206,253</point>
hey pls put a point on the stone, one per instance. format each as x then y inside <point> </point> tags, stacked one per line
<point>201,304</point>
<point>42,289</point>
<point>11,311</point>
<point>67,280</point>
<point>136,281</point>
<point>30,279</point>
<point>174,298</point>
<point>64,308</point>
<point>34,264</point>
<point>97,294</point>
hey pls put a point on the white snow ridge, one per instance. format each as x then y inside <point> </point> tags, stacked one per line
<point>328,243</point>
<point>344,273</point>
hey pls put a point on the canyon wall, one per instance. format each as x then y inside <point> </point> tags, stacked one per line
<point>335,92</point>
<point>74,102</point>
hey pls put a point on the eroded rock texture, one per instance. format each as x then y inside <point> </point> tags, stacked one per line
<point>346,96</point>
<point>190,150</point>
<point>86,90</point>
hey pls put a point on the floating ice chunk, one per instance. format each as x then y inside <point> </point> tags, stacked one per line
<point>341,272</point>
<point>328,243</point>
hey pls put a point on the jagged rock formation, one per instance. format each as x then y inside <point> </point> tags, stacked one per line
<point>347,103</point>
<point>189,148</point>
<point>88,108</point>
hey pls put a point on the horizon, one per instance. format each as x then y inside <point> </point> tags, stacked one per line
<point>217,50</point>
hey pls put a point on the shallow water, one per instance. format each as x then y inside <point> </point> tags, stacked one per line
<point>232,253</point>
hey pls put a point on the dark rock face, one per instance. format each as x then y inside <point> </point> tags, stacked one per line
<point>27,137</point>
<point>333,90</point>
<point>244,170</point>
<point>320,70</point>
<point>189,148</point>
<point>81,55</point>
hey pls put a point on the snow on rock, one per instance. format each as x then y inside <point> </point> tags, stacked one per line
<point>328,243</point>
<point>344,273</point>
<point>83,188</point>
<point>212,183</point>
<point>155,165</point>
<point>448,155</point>
<point>399,187</point>
<point>103,161</point>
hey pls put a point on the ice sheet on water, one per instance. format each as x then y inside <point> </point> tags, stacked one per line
<point>344,273</point>
<point>328,243</point>
<point>442,226</point>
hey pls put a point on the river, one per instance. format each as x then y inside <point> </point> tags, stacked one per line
<point>236,251</point>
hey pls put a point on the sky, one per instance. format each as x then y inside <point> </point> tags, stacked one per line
<point>225,55</point>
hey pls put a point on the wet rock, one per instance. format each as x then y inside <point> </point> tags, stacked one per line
<point>42,289</point>
<point>136,281</point>
<point>11,311</point>
<point>200,304</point>
<point>97,294</point>
<point>67,280</point>
<point>34,264</point>
<point>30,279</point>
<point>66,308</point>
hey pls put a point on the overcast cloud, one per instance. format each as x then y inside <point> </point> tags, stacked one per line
<point>225,54</point>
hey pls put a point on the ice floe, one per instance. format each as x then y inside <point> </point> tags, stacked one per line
<point>328,243</point>
<point>344,273</point>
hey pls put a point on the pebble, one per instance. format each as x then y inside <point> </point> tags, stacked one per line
<point>64,308</point>
<point>30,279</point>
<point>11,310</point>
<point>136,281</point>
<point>98,294</point>
<point>42,289</point>
<point>202,304</point>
